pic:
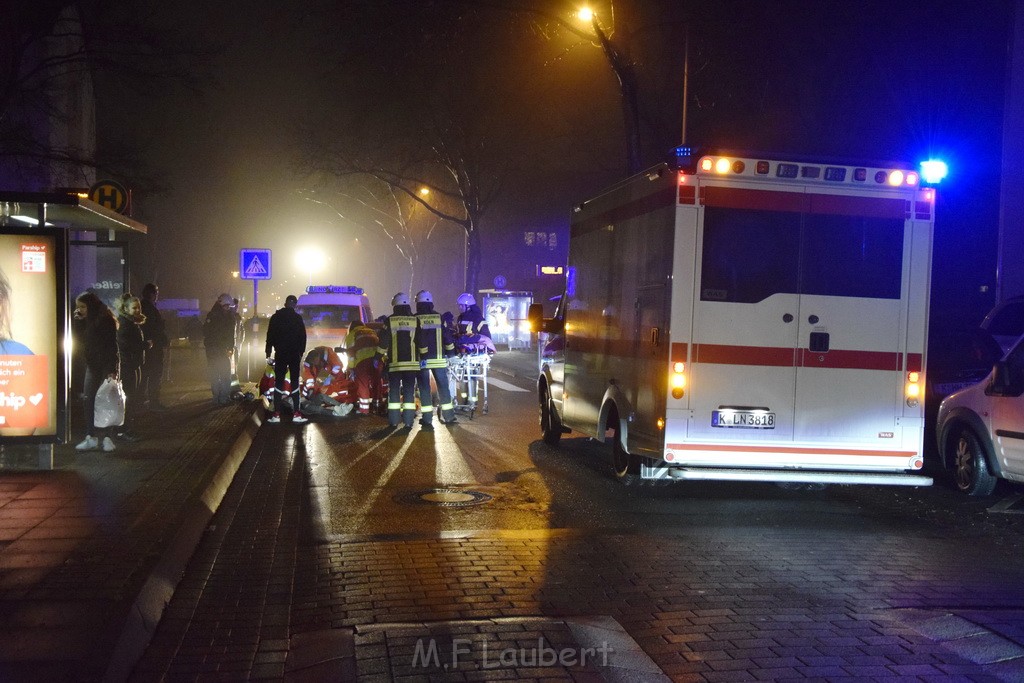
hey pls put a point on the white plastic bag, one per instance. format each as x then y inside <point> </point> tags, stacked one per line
<point>109,410</point>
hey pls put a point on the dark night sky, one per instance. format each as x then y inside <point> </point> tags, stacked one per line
<point>866,80</point>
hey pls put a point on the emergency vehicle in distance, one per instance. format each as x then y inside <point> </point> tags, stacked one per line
<point>328,310</point>
<point>743,318</point>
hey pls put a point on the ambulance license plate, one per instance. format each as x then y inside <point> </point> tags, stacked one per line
<point>743,419</point>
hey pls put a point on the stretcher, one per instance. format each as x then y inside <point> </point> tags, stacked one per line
<point>467,375</point>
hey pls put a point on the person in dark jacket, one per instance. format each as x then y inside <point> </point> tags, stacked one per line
<point>219,340</point>
<point>131,346</point>
<point>286,342</point>
<point>99,341</point>
<point>155,331</point>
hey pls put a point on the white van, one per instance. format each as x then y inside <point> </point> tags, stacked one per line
<point>328,310</point>
<point>980,429</point>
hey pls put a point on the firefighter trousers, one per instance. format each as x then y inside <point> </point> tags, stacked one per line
<point>369,385</point>
<point>444,395</point>
<point>402,397</point>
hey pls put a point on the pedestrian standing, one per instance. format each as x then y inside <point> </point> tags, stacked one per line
<point>434,344</point>
<point>362,344</point>
<point>286,342</point>
<point>219,340</point>
<point>155,332</point>
<point>235,391</point>
<point>99,339</point>
<point>398,344</point>
<point>132,348</point>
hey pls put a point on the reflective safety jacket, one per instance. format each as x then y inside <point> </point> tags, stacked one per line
<point>398,342</point>
<point>433,341</point>
<point>362,343</point>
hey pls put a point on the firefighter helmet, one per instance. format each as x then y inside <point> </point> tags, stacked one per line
<point>466,299</point>
<point>400,299</point>
<point>424,297</point>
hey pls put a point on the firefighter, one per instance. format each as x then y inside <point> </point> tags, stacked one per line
<point>434,344</point>
<point>398,344</point>
<point>474,333</point>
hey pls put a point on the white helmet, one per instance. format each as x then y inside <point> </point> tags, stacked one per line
<point>400,299</point>
<point>466,299</point>
<point>424,297</point>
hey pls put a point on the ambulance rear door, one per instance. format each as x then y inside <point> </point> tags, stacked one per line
<point>852,320</point>
<point>799,315</point>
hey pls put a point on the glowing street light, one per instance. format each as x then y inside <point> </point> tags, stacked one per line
<point>311,259</point>
<point>424,191</point>
<point>585,14</point>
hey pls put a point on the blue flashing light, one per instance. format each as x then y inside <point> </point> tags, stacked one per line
<point>683,153</point>
<point>933,170</point>
<point>333,289</point>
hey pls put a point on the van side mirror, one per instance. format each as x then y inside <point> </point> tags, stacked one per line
<point>538,323</point>
<point>536,317</point>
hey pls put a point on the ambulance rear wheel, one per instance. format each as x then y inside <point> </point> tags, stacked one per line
<point>625,465</point>
<point>550,425</point>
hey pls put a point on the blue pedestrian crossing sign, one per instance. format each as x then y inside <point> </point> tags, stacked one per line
<point>254,264</point>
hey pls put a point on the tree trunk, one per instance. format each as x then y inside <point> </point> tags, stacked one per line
<point>473,260</point>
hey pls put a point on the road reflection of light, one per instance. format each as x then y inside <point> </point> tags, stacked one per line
<point>316,448</point>
<point>451,466</point>
<point>371,496</point>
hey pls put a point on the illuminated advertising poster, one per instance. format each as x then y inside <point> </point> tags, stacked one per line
<point>31,295</point>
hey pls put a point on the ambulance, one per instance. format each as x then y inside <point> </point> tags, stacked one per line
<point>328,310</point>
<point>741,317</point>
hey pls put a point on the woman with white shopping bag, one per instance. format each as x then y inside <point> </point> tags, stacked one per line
<point>102,365</point>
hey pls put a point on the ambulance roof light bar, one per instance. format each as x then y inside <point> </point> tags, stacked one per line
<point>931,172</point>
<point>333,289</point>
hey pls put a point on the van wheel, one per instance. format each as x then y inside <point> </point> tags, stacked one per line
<point>626,466</point>
<point>550,425</point>
<point>970,470</point>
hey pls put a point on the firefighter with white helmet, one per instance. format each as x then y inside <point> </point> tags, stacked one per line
<point>434,344</point>
<point>471,323</point>
<point>398,344</point>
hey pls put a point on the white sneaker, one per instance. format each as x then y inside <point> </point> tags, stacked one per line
<point>89,443</point>
<point>108,444</point>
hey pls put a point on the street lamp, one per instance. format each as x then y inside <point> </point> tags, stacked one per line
<point>311,259</point>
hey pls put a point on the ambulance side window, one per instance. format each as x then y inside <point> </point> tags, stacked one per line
<point>749,254</point>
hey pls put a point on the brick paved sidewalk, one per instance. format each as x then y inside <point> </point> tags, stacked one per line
<point>91,552</point>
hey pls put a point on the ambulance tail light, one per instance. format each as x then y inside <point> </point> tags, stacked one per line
<point>913,389</point>
<point>677,380</point>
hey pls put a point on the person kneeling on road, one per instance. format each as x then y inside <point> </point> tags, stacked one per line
<point>286,342</point>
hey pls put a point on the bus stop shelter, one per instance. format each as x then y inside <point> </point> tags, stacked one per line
<point>52,246</point>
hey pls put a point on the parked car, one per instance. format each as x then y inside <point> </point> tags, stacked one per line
<point>1005,322</point>
<point>957,358</point>
<point>980,429</point>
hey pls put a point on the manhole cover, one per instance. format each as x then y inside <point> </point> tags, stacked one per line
<point>445,497</point>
